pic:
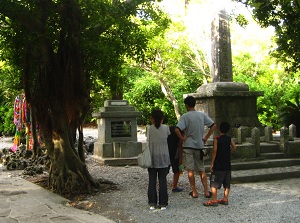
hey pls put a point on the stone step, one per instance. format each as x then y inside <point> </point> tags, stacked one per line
<point>265,174</point>
<point>252,166</point>
<point>266,163</point>
<point>264,170</point>
<point>272,155</point>
<point>269,147</point>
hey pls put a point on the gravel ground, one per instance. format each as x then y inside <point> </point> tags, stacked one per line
<point>6,142</point>
<point>271,202</point>
<point>125,199</point>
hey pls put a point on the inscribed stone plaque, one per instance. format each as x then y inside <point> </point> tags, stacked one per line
<point>121,129</point>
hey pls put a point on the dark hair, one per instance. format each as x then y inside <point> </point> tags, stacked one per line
<point>224,127</point>
<point>190,101</point>
<point>158,116</point>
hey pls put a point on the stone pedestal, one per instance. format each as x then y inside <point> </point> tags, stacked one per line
<point>229,101</point>
<point>117,133</point>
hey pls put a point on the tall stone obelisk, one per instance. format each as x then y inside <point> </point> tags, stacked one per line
<point>223,99</point>
<point>221,69</point>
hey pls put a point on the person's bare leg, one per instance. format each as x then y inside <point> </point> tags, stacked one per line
<point>175,180</point>
<point>213,201</point>
<point>192,182</point>
<point>203,178</point>
<point>214,193</point>
<point>226,194</point>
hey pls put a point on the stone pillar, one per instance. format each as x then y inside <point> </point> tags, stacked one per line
<point>284,138</point>
<point>268,134</point>
<point>255,139</point>
<point>242,133</point>
<point>221,70</point>
<point>292,131</point>
<point>223,99</point>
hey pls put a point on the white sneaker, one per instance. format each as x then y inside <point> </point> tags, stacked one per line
<point>163,208</point>
<point>152,208</point>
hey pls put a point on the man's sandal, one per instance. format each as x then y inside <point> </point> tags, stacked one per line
<point>209,196</point>
<point>222,201</point>
<point>211,203</point>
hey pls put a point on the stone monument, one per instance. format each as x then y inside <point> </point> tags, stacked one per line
<point>223,99</point>
<point>117,134</point>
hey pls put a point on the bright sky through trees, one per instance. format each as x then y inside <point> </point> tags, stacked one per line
<point>198,17</point>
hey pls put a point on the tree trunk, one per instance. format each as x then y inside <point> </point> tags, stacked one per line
<point>61,101</point>
<point>35,145</point>
<point>80,144</point>
<point>170,96</point>
<point>51,42</point>
<point>68,173</point>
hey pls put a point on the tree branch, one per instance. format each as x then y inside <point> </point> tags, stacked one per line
<point>16,11</point>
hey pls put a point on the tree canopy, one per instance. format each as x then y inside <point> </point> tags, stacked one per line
<point>60,48</point>
<point>284,16</point>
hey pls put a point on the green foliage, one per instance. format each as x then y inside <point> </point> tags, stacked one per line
<point>9,89</point>
<point>268,77</point>
<point>145,96</point>
<point>6,117</point>
<point>263,72</point>
<point>171,64</point>
<point>284,16</point>
<point>110,31</point>
<point>62,49</point>
<point>241,20</point>
<point>290,113</point>
<point>144,92</point>
<point>117,35</point>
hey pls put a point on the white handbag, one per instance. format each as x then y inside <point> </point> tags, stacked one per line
<point>144,159</point>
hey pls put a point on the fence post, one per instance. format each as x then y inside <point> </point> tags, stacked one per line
<point>241,134</point>
<point>255,139</point>
<point>284,138</point>
<point>292,131</point>
<point>268,134</point>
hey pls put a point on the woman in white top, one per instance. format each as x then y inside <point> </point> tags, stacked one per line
<point>158,144</point>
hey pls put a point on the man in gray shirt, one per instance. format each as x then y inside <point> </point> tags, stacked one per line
<point>192,124</point>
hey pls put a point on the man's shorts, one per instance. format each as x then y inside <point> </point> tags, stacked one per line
<point>219,178</point>
<point>192,160</point>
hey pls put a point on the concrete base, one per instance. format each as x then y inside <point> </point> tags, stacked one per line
<point>229,101</point>
<point>117,153</point>
<point>293,148</point>
<point>117,149</point>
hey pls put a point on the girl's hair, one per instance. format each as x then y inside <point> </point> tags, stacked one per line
<point>158,116</point>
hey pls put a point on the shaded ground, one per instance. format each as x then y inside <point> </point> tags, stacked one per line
<point>81,201</point>
<point>98,201</point>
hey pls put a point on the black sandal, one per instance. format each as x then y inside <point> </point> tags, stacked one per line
<point>191,194</point>
<point>208,196</point>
